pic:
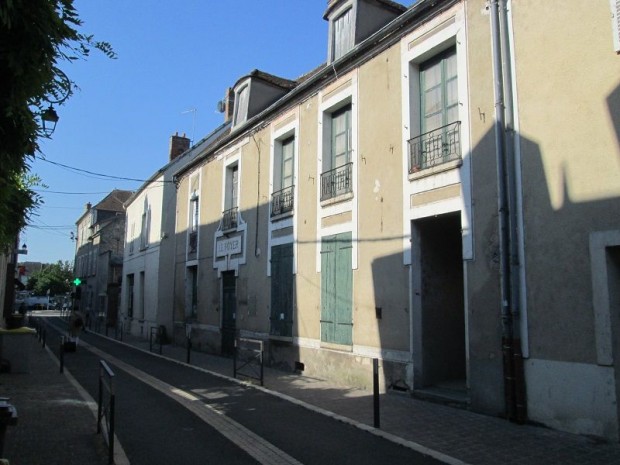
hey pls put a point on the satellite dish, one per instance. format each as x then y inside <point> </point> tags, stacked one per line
<point>221,106</point>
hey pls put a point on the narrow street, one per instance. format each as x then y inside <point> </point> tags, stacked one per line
<point>167,412</point>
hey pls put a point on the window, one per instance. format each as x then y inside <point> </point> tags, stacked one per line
<point>229,220</point>
<point>337,170</point>
<point>130,295</point>
<point>438,92</point>
<point>615,23</point>
<point>241,105</point>
<point>342,34</point>
<point>144,234</point>
<point>194,212</point>
<point>142,294</point>
<point>284,164</point>
<point>131,237</point>
<point>439,139</point>
<point>192,291</point>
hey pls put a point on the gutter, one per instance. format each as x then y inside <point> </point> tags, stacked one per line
<point>514,377</point>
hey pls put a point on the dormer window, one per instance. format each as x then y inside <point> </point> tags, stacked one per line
<point>242,100</point>
<point>353,21</point>
<point>255,92</point>
<point>342,34</point>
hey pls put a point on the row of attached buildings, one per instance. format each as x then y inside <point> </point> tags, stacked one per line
<point>442,195</point>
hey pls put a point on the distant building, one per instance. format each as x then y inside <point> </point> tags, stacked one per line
<point>99,258</point>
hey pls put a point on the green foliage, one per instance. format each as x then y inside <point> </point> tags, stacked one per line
<point>56,277</point>
<point>35,36</point>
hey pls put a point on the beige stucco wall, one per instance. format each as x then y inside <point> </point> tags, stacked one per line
<point>571,164</point>
<point>381,278</point>
<point>307,281</point>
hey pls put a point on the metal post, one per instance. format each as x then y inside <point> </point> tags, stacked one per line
<point>235,360</point>
<point>261,364</point>
<point>375,392</point>
<point>188,335</point>
<point>62,354</point>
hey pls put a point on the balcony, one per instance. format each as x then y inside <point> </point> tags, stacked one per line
<point>435,148</point>
<point>230,219</point>
<point>282,201</point>
<point>337,181</point>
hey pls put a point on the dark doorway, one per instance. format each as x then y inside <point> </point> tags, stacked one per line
<point>229,311</point>
<point>438,259</point>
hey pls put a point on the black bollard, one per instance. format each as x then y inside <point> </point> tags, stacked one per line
<point>375,391</point>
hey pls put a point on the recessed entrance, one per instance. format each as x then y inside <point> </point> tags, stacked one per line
<point>439,314</point>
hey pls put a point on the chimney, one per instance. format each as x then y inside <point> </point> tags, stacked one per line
<point>229,104</point>
<point>88,206</point>
<point>178,145</point>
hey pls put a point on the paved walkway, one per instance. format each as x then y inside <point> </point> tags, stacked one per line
<point>57,425</point>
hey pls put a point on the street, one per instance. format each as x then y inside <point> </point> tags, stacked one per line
<point>167,412</point>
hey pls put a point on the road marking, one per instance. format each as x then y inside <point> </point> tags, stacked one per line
<point>257,447</point>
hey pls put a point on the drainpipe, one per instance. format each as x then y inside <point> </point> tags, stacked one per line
<point>514,383</point>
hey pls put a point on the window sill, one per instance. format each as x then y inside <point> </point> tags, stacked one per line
<point>338,199</point>
<point>336,346</point>
<point>425,172</point>
<point>282,216</point>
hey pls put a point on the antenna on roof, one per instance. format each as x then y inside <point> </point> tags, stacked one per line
<point>193,111</point>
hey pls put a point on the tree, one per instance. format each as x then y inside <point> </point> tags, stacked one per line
<point>35,36</point>
<point>57,278</point>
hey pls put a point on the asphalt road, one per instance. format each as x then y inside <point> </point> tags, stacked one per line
<point>170,413</point>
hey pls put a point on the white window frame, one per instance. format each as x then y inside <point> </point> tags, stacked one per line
<point>242,100</point>
<point>443,32</point>
<point>339,94</point>
<point>615,23</point>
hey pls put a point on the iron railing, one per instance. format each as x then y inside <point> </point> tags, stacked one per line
<point>282,201</point>
<point>229,219</point>
<point>435,147</point>
<point>337,181</point>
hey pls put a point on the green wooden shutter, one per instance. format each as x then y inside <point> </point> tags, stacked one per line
<point>344,292</point>
<point>282,290</point>
<point>328,293</point>
<point>336,289</point>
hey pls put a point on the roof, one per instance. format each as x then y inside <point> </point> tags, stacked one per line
<point>396,7</point>
<point>270,78</point>
<point>114,201</point>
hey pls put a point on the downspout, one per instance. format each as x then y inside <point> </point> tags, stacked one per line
<point>514,385</point>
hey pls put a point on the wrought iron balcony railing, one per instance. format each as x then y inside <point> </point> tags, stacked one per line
<point>435,147</point>
<point>230,219</point>
<point>337,181</point>
<point>282,201</point>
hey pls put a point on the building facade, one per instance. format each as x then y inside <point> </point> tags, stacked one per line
<point>440,195</point>
<point>99,259</point>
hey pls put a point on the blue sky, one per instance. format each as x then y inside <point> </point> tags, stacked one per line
<point>172,57</point>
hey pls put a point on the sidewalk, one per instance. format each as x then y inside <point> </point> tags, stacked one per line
<point>56,425</point>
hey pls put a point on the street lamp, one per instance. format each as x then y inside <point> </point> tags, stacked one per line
<point>61,91</point>
<point>49,118</point>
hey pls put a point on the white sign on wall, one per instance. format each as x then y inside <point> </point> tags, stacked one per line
<point>228,246</point>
